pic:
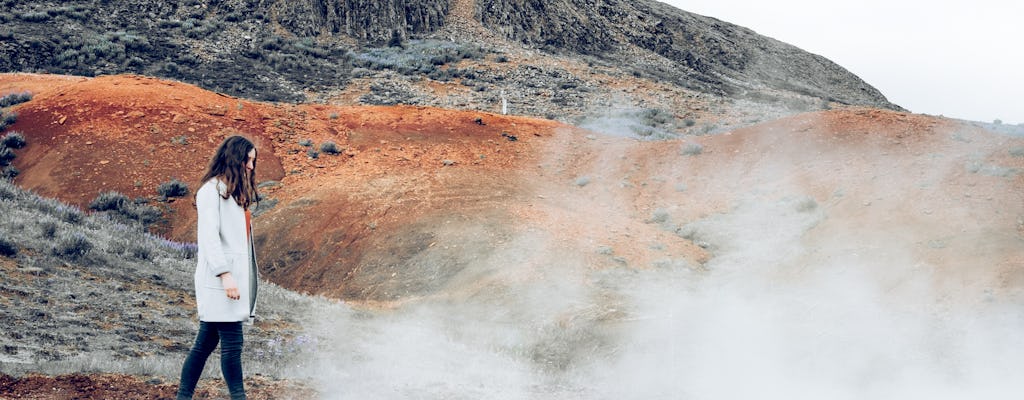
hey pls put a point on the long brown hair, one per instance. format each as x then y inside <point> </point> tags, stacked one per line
<point>228,164</point>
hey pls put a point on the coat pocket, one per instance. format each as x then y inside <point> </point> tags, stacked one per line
<point>213,282</point>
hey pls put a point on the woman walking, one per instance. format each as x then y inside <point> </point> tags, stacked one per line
<point>226,274</point>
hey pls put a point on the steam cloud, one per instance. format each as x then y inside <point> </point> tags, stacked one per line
<point>784,310</point>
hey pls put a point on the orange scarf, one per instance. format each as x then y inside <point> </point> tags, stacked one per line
<point>248,224</point>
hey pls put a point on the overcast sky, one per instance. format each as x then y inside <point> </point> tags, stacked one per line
<point>961,59</point>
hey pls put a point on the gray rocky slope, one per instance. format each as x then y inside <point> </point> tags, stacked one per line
<point>562,59</point>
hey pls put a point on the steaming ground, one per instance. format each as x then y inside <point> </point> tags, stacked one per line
<point>880,276</point>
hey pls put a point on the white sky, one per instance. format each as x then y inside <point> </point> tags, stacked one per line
<point>961,59</point>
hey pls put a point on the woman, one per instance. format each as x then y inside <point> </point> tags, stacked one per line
<point>226,274</point>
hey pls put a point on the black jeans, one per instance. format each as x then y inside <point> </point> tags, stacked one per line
<point>229,334</point>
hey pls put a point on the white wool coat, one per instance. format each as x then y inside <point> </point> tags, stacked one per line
<point>223,247</point>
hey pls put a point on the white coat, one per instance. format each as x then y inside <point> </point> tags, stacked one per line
<point>224,246</point>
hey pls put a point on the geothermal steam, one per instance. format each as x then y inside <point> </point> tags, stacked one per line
<point>798,301</point>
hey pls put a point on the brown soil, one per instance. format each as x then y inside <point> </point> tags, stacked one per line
<point>124,387</point>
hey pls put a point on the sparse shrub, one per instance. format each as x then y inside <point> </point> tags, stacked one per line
<point>471,52</point>
<point>1017,151</point>
<point>660,215</point>
<point>305,142</point>
<point>691,149</point>
<point>180,140</point>
<point>119,207</point>
<point>141,252</point>
<point>442,59</point>
<point>689,122</point>
<point>143,213</point>
<point>655,117</point>
<point>71,215</point>
<point>8,120</point>
<point>501,59</point>
<point>6,156</point>
<point>329,147</point>
<point>48,229</point>
<point>109,201</point>
<point>13,140</point>
<point>396,39</point>
<point>313,154</point>
<point>172,188</point>
<point>643,131</point>
<point>170,23</point>
<point>582,181</point>
<point>171,68</point>
<point>8,248</point>
<point>15,98</point>
<point>73,246</point>
<point>9,172</point>
<point>33,16</point>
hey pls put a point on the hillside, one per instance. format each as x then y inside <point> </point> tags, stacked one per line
<point>553,258</point>
<point>567,60</point>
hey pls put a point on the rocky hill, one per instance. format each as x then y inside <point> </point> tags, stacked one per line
<point>566,59</point>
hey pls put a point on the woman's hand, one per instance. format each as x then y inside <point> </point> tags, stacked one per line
<point>230,286</point>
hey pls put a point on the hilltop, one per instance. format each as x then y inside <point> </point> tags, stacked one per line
<point>572,61</point>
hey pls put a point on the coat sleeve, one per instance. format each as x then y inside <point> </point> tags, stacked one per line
<point>208,210</point>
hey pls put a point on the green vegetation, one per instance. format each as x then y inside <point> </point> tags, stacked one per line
<point>691,149</point>
<point>8,248</point>
<point>172,188</point>
<point>419,57</point>
<point>6,156</point>
<point>9,172</point>
<point>7,119</point>
<point>73,246</point>
<point>329,147</point>
<point>13,140</point>
<point>15,98</point>
<point>108,201</point>
<point>34,16</point>
<point>91,294</point>
<point>120,208</point>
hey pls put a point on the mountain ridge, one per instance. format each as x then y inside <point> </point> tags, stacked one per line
<point>380,52</point>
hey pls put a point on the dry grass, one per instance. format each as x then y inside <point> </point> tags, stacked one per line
<point>86,293</point>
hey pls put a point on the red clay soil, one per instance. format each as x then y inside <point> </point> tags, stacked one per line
<point>405,171</point>
<point>132,133</point>
<point>125,387</point>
